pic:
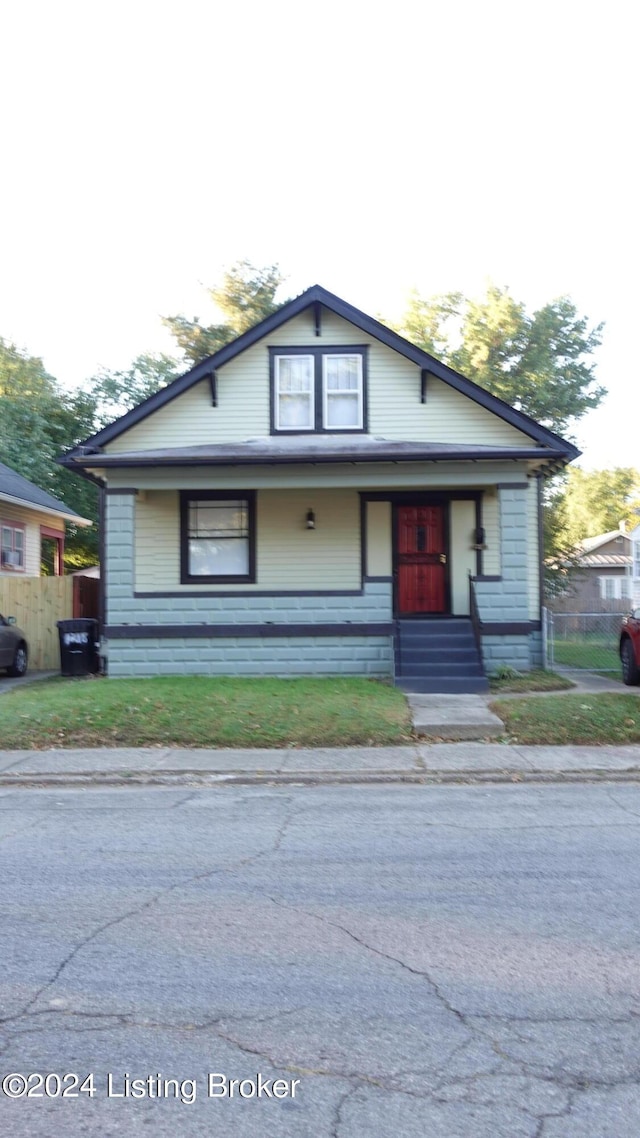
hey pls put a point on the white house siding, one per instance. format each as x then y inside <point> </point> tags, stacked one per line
<point>462,555</point>
<point>31,520</point>
<point>243,396</point>
<point>288,555</point>
<point>378,529</point>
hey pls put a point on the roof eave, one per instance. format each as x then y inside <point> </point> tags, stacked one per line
<point>548,460</point>
<point>26,504</point>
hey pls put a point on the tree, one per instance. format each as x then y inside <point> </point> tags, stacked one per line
<point>538,363</point>
<point>38,420</point>
<point>597,501</point>
<point>580,504</point>
<point>244,297</point>
<point>115,392</point>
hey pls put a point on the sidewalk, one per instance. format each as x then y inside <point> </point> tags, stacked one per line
<point>419,762</point>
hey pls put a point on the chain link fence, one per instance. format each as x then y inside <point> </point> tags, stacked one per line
<point>586,640</point>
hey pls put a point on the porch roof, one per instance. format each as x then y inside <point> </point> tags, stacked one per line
<point>282,450</point>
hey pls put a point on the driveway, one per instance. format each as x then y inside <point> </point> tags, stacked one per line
<point>8,683</point>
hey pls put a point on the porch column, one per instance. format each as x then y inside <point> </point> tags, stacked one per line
<point>120,537</point>
<point>512,505</point>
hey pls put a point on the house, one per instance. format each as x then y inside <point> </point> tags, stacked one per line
<point>606,574</point>
<point>321,496</point>
<point>30,519</point>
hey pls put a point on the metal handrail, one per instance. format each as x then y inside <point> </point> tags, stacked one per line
<point>475,615</point>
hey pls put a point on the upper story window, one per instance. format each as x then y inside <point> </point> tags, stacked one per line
<point>12,547</point>
<point>318,389</point>
<point>636,558</point>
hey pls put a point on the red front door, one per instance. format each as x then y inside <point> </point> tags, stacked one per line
<point>421,559</point>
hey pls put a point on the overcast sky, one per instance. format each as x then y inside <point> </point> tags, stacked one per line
<point>366,147</point>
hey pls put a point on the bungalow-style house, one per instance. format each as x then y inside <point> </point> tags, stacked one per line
<point>321,496</point>
<point>29,519</point>
<point>606,575</point>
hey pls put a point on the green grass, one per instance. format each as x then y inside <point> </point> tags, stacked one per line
<point>592,654</point>
<point>578,719</point>
<point>203,712</point>
<point>536,680</point>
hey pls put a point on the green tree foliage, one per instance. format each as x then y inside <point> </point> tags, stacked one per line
<point>244,297</point>
<point>585,503</point>
<point>115,392</point>
<point>596,501</point>
<point>538,363</point>
<point>38,420</point>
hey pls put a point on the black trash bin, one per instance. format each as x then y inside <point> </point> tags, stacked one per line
<point>78,646</point>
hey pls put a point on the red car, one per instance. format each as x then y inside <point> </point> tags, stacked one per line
<point>630,647</point>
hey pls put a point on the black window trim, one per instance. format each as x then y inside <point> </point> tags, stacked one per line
<point>187,496</point>
<point>318,353</point>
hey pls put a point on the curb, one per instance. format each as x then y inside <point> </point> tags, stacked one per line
<point>209,779</point>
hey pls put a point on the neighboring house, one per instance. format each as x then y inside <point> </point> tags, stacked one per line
<point>606,576</point>
<point>30,517</point>
<point>321,496</point>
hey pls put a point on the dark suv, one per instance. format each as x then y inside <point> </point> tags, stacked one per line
<point>13,647</point>
<point>630,647</point>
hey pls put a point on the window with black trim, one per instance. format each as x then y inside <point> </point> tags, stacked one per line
<point>12,547</point>
<point>217,536</point>
<point>318,389</point>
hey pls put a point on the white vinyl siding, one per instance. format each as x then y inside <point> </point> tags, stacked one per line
<point>379,552</point>
<point>395,410</point>
<point>462,556</point>
<point>288,555</point>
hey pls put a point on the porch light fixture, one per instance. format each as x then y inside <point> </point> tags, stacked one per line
<point>479,539</point>
<point>311,519</point>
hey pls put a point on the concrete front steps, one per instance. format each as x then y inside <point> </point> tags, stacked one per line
<point>438,656</point>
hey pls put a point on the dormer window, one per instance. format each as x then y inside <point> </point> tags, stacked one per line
<point>318,389</point>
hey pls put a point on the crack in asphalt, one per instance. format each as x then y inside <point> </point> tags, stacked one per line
<point>137,910</point>
<point>544,1116</point>
<point>377,952</point>
<point>625,809</point>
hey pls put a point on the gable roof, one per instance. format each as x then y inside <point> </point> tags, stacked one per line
<point>19,491</point>
<point>321,298</point>
<point>588,544</point>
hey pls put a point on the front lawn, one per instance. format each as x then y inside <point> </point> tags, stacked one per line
<point>596,655</point>
<point>201,711</point>
<point>578,719</point>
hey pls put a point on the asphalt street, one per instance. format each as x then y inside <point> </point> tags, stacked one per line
<point>379,961</point>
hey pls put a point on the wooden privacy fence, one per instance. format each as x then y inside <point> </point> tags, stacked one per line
<point>37,603</point>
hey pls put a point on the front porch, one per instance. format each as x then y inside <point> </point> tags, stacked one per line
<point>379,586</point>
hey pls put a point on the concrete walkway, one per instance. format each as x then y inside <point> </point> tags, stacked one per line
<point>469,716</point>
